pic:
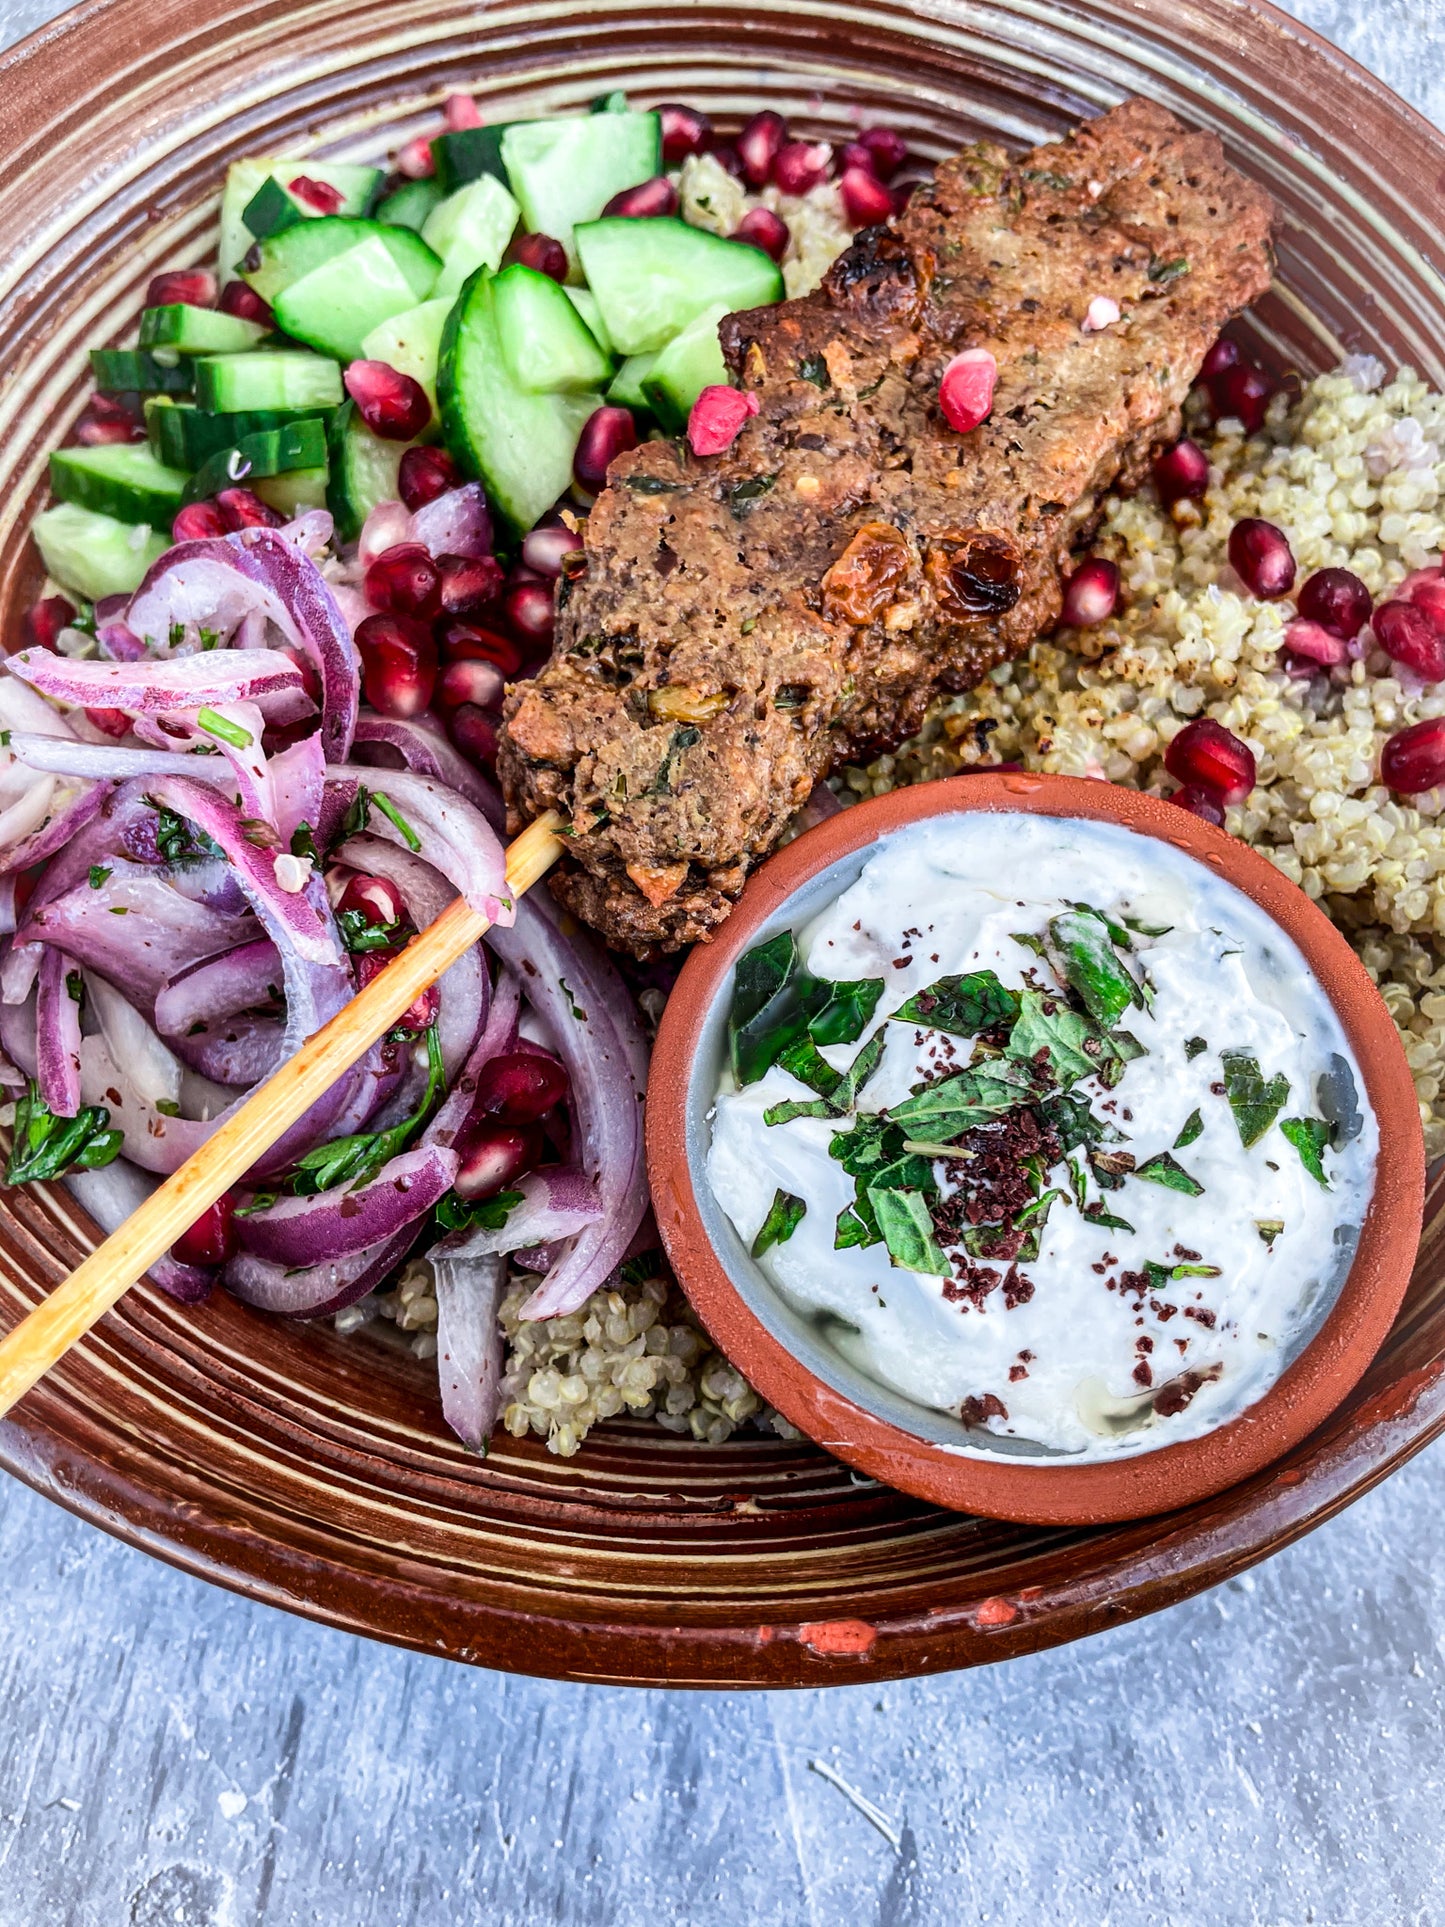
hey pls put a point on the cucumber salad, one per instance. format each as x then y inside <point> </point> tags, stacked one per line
<point>1079,1157</point>
<point>307,528</point>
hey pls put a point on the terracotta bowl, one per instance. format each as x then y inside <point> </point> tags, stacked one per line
<point>315,1472</point>
<point>887,1435</point>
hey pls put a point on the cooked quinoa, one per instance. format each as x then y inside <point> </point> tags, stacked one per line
<point>711,198</point>
<point>1353,473</point>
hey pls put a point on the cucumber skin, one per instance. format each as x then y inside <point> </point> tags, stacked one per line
<point>122,371</point>
<point>466,155</point>
<point>314,381</point>
<point>84,478</point>
<point>627,262</point>
<point>273,206</point>
<point>95,555</point>
<point>689,363</point>
<point>186,437</point>
<point>198,331</point>
<point>624,150</point>
<point>457,430</point>
<point>410,205</point>
<point>274,451</point>
<point>287,257</point>
<point>363,470</point>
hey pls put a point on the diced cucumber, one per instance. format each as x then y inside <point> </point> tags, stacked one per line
<point>410,205</point>
<point>567,170</point>
<point>364,471</point>
<point>273,451</point>
<point>627,389</point>
<point>410,342</point>
<point>242,180</point>
<point>519,446</point>
<point>287,257</point>
<point>585,302</point>
<point>95,555</point>
<point>122,479</point>
<point>275,206</point>
<point>651,278</point>
<point>547,344</point>
<point>336,306</point>
<point>120,371</point>
<point>298,489</point>
<point>289,378</point>
<point>198,331</point>
<point>467,155</point>
<point>470,229</point>
<point>184,437</point>
<point>689,363</point>
<point>613,103</point>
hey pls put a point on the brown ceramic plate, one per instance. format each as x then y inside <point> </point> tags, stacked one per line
<point>315,1472</point>
<point>889,1436</point>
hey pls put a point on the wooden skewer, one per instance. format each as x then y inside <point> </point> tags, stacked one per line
<point>48,1332</point>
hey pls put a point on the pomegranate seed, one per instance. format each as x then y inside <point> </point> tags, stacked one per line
<point>1337,601</point>
<point>391,404</point>
<point>643,202</point>
<point>319,196</point>
<point>492,1155</point>
<point>903,193</point>
<point>238,299</point>
<point>888,149</point>
<point>1409,637</point>
<point>606,434</point>
<point>1261,557</point>
<point>1181,473</point>
<point>415,159</point>
<point>398,664</point>
<point>376,900</point>
<point>1310,642</point>
<point>866,201</point>
<point>242,508</point>
<point>717,417</point>
<point>1091,594</point>
<point>478,683</point>
<point>855,154</point>
<point>102,427</point>
<point>199,522</point>
<point>461,112</point>
<point>466,642</point>
<point>519,1087</point>
<point>112,722</point>
<point>405,581</point>
<point>758,145</point>
<point>684,131</point>
<point>211,1240</point>
<point>425,474</point>
<point>1223,356</point>
<point>474,733</point>
<point>468,582</point>
<point>418,1016</point>
<point>965,392</point>
<point>309,673</point>
<point>544,550</point>
<point>45,619</point>
<point>801,166</point>
<point>1413,759</point>
<point>1426,591</point>
<point>1199,803</point>
<point>1209,756</point>
<point>728,158</point>
<point>761,228</point>
<point>1243,392</point>
<point>196,287</point>
<point>530,611</point>
<point>541,252</point>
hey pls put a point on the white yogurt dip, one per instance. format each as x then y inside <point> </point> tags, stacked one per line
<point>1057,1330</point>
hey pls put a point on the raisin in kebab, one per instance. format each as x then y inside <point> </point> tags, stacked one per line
<point>746,623</point>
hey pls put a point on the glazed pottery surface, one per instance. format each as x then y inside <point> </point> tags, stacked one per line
<point>316,1472</point>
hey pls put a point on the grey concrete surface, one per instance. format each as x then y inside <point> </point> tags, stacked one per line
<point>1269,1755</point>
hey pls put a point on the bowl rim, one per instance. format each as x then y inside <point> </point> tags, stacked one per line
<point>1107,1491</point>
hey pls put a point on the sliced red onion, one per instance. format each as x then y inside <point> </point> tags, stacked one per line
<point>499,1034</point>
<point>152,1070</point>
<point>456,523</point>
<point>9,914</point>
<point>593,1027</point>
<point>118,642</point>
<point>236,730</point>
<point>70,809</point>
<point>821,804</point>
<point>336,1224</point>
<point>210,992</point>
<point>111,1195</point>
<point>419,743</point>
<point>450,833</point>
<point>57,1035</point>
<point>470,1351</point>
<point>311,532</point>
<point>463,989</point>
<point>557,1201</point>
<point>19,972</point>
<point>209,680</point>
<point>388,525</point>
<point>64,756</point>
<point>317,1290</point>
<point>298,785</point>
<point>17,1031</point>
<point>22,708</point>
